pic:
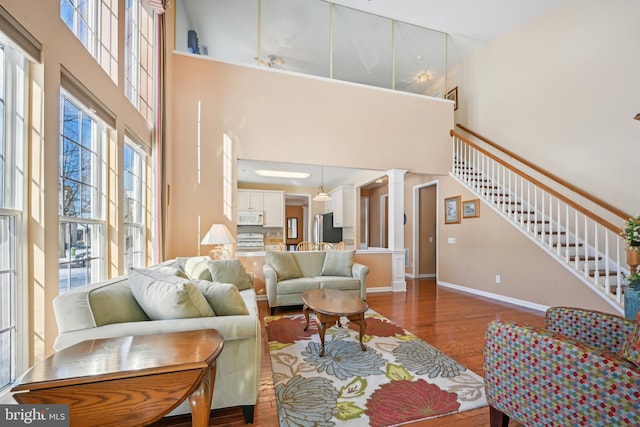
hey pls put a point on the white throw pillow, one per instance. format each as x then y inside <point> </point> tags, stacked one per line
<point>164,296</point>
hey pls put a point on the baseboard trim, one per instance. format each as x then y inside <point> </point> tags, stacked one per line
<point>421,276</point>
<point>379,289</point>
<point>510,300</point>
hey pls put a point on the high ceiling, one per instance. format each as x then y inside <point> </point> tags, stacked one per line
<point>473,19</point>
<point>297,34</point>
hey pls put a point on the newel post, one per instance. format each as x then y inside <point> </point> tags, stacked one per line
<point>633,259</point>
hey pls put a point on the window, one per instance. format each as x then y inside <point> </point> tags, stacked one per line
<point>227,176</point>
<point>13,68</point>
<point>95,24</point>
<point>135,191</point>
<point>81,18</point>
<point>81,196</point>
<point>139,36</point>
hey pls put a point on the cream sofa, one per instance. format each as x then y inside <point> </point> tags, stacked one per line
<point>288,274</point>
<point>109,309</point>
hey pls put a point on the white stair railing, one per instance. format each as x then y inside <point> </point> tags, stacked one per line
<point>589,246</point>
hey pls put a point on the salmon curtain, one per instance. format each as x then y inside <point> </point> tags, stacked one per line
<point>160,127</point>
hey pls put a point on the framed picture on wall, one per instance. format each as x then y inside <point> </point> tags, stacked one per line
<point>471,208</point>
<point>453,96</point>
<point>292,228</point>
<point>452,210</point>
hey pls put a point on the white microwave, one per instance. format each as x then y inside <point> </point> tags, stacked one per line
<point>250,218</point>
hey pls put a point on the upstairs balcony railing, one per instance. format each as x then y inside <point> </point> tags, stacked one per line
<point>577,229</point>
<point>319,38</point>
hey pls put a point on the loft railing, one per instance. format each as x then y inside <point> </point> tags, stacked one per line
<point>587,243</point>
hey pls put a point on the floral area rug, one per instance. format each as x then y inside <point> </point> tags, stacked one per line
<point>398,379</point>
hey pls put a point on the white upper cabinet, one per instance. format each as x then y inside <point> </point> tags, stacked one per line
<point>250,200</point>
<point>273,208</point>
<point>271,203</point>
<point>342,205</point>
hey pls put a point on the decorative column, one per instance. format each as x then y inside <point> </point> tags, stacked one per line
<point>396,228</point>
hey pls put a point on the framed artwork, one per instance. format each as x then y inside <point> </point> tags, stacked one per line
<point>471,208</point>
<point>292,228</point>
<point>453,96</point>
<point>452,210</point>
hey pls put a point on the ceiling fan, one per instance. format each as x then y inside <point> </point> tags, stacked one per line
<point>270,61</point>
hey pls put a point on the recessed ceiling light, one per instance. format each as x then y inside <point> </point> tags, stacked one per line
<point>282,174</point>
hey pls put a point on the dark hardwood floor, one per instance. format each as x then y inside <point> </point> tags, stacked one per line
<point>450,320</point>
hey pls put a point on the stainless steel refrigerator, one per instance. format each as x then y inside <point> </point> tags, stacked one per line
<point>324,231</point>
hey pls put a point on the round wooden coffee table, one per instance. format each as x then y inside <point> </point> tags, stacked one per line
<point>331,304</point>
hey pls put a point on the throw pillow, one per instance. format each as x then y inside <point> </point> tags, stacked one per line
<point>170,271</point>
<point>284,264</point>
<point>337,263</point>
<point>225,298</point>
<point>196,267</point>
<point>163,296</point>
<point>229,271</point>
<point>631,347</point>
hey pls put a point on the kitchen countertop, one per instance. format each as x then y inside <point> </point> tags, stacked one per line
<point>245,254</point>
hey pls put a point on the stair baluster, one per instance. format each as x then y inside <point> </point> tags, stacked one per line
<point>545,216</point>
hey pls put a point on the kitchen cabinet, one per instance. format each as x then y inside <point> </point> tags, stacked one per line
<point>250,200</point>
<point>328,205</point>
<point>270,203</point>
<point>273,208</point>
<point>342,204</point>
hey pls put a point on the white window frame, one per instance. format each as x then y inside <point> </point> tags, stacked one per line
<point>139,171</point>
<point>92,20</point>
<point>14,94</point>
<point>102,23</point>
<point>132,51</point>
<point>139,69</point>
<point>92,259</point>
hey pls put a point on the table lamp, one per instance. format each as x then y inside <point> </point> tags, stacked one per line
<point>219,236</point>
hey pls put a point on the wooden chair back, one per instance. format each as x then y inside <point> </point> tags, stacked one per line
<point>305,246</point>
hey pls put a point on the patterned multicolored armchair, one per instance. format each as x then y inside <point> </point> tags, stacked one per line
<point>583,369</point>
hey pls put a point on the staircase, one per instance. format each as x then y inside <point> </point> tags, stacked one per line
<point>585,243</point>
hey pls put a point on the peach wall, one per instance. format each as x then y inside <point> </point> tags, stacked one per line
<point>283,117</point>
<point>380,274</point>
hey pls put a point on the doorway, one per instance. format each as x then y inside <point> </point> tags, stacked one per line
<point>425,230</point>
<point>296,207</point>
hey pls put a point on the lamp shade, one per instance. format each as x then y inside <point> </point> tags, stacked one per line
<point>218,234</point>
<point>322,196</point>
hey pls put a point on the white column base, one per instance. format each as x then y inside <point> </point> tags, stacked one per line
<point>398,283</point>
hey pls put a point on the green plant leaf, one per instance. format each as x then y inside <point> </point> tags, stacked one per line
<point>348,411</point>
<point>354,389</point>
<point>397,372</point>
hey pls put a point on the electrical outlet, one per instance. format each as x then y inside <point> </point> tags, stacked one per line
<point>498,279</point>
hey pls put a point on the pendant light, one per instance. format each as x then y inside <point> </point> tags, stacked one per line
<point>322,195</point>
